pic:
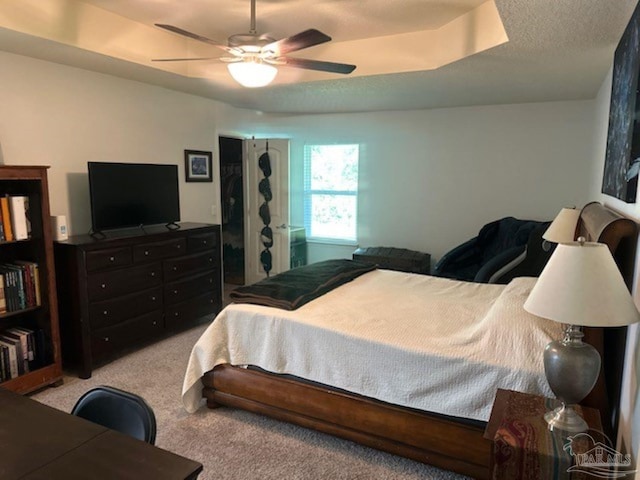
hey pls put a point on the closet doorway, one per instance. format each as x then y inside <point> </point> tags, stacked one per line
<point>232,206</point>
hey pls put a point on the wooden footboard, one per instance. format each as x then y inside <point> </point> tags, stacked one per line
<point>429,438</point>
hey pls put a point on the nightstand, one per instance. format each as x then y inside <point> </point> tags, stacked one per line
<point>399,259</point>
<point>523,446</point>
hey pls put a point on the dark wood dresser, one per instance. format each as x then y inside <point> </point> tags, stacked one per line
<point>134,286</point>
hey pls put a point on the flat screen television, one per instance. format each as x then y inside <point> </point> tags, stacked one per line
<point>132,194</point>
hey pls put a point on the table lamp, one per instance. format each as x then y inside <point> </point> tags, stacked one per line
<point>580,286</point>
<point>563,227</point>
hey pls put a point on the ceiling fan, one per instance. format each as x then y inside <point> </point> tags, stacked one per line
<point>252,57</point>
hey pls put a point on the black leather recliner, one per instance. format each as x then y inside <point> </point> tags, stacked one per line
<point>503,249</point>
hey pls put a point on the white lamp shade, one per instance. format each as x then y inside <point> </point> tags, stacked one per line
<point>581,285</point>
<point>252,74</point>
<point>563,227</point>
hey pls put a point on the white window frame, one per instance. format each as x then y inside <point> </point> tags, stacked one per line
<point>308,194</point>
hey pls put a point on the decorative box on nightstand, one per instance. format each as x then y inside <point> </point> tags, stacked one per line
<point>399,259</point>
<point>525,449</point>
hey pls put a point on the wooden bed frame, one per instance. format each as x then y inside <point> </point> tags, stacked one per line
<point>446,442</point>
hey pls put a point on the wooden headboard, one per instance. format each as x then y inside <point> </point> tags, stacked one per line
<point>598,223</point>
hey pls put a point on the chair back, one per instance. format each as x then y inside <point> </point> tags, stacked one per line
<point>119,410</point>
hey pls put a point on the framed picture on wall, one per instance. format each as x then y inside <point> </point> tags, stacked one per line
<point>197,166</point>
<point>622,161</point>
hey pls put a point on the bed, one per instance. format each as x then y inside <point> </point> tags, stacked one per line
<point>392,408</point>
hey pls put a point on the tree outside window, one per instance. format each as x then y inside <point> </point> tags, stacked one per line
<point>331,192</point>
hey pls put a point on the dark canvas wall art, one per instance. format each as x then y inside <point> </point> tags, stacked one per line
<point>620,177</point>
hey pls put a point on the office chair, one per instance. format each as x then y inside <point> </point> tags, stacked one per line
<point>119,410</point>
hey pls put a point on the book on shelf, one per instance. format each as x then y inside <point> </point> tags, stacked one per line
<point>9,288</point>
<point>7,279</point>
<point>20,286</point>
<point>18,211</point>
<point>22,349</point>
<point>29,341</point>
<point>3,300</point>
<point>2,237</point>
<point>27,213</point>
<point>15,286</point>
<point>29,271</point>
<point>36,282</point>
<point>6,218</point>
<point>5,371</point>
<point>13,357</point>
<point>20,299</point>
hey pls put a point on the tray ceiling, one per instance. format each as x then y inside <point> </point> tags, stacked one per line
<point>410,53</point>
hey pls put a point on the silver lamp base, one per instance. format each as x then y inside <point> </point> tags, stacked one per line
<point>572,368</point>
<point>566,419</point>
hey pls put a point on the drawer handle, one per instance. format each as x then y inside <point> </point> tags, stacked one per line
<point>175,292</point>
<point>178,247</point>
<point>211,280</point>
<point>176,314</point>
<point>153,299</point>
<point>204,242</point>
<point>112,259</point>
<point>104,285</point>
<point>210,301</point>
<point>105,313</point>
<point>106,339</point>
<point>146,252</point>
<point>153,274</point>
<point>154,322</point>
<point>210,259</point>
<point>175,269</point>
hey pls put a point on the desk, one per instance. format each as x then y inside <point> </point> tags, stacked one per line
<point>40,442</point>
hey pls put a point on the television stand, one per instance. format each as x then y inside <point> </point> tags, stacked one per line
<point>131,288</point>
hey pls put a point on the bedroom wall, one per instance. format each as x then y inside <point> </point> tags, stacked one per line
<point>419,169</point>
<point>629,430</point>
<point>430,179</point>
<point>64,117</point>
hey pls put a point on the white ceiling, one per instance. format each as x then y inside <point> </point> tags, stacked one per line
<point>556,50</point>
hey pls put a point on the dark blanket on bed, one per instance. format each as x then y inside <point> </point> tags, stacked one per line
<point>292,289</point>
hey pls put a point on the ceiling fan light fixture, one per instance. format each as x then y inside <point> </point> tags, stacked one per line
<point>252,73</point>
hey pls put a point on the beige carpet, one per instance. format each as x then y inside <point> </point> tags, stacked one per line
<point>232,444</point>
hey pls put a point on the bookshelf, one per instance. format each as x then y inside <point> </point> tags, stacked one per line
<point>40,317</point>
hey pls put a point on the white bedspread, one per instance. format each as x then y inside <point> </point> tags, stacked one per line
<point>413,340</point>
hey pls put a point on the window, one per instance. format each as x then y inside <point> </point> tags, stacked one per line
<point>331,192</point>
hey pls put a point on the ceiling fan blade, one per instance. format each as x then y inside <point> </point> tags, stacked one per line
<point>200,38</point>
<point>301,40</point>
<point>331,67</point>
<point>182,59</point>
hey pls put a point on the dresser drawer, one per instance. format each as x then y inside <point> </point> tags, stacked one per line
<point>108,340</point>
<point>102,286</point>
<point>183,313</point>
<point>203,241</point>
<point>159,250</point>
<point>110,312</point>
<point>191,286</point>
<point>110,258</point>
<point>191,265</point>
